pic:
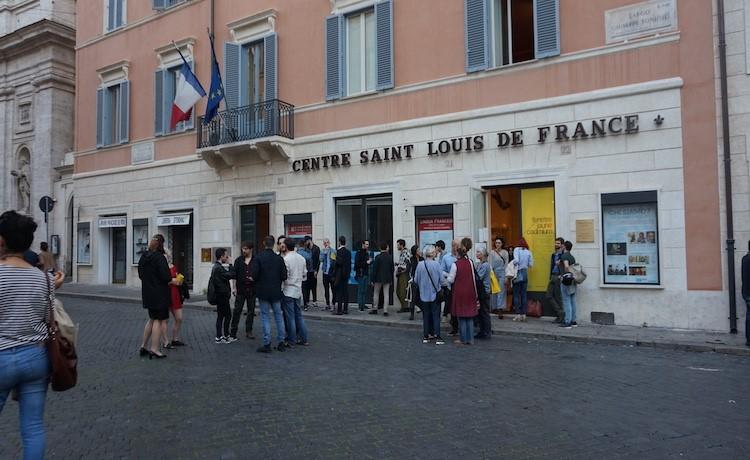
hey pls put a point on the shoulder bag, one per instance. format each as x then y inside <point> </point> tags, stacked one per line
<point>60,351</point>
<point>439,294</point>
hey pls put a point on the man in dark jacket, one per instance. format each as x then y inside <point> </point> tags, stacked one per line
<point>382,277</point>
<point>312,276</point>
<point>553,296</point>
<point>221,273</point>
<point>153,271</point>
<point>362,261</point>
<point>746,292</point>
<point>268,272</point>
<point>244,291</point>
<point>342,270</point>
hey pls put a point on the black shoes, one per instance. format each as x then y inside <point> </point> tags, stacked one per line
<point>264,349</point>
<point>373,312</point>
<point>153,355</point>
<point>281,347</point>
<point>178,343</point>
<point>143,352</point>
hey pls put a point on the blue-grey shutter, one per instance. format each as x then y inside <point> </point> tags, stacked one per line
<point>270,46</point>
<point>160,4</point>
<point>159,103</point>
<point>547,28</point>
<point>477,55</point>
<point>334,67</point>
<point>384,44</point>
<point>107,135</point>
<point>231,75</point>
<point>119,19</point>
<point>168,99</point>
<point>99,117</point>
<point>190,122</point>
<point>111,8</point>
<point>124,112</point>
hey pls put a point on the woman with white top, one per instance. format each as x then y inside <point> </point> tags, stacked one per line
<point>524,260</point>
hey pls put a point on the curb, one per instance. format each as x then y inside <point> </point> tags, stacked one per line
<point>617,341</point>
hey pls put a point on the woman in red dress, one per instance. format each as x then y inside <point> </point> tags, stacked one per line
<point>464,301</point>
<point>175,306</point>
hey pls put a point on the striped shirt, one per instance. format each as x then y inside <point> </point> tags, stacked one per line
<point>23,306</point>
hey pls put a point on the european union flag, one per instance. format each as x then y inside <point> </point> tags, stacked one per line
<point>216,94</point>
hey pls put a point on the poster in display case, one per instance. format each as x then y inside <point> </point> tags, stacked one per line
<point>84,243</point>
<point>631,245</point>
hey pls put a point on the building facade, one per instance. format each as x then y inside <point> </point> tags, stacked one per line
<point>37,64</point>
<point>422,120</point>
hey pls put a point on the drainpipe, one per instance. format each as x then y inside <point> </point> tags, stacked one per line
<point>727,169</point>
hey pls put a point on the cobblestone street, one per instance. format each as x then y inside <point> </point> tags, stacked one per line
<point>376,392</point>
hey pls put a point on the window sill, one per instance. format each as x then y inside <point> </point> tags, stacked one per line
<point>114,29</point>
<point>362,94</point>
<point>174,133</point>
<point>111,146</point>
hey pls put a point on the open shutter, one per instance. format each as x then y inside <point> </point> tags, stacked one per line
<point>547,28</point>
<point>232,75</point>
<point>270,45</point>
<point>100,118</point>
<point>159,103</point>
<point>168,99</point>
<point>124,112</point>
<point>334,67</point>
<point>160,4</point>
<point>111,9</point>
<point>119,19</point>
<point>384,44</point>
<point>107,135</point>
<point>477,55</point>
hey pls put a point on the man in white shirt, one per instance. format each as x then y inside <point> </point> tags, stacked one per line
<point>296,267</point>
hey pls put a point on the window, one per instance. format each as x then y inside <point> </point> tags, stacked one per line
<point>165,89</point>
<point>140,239</point>
<point>503,32</point>
<point>360,52</point>
<point>24,113</point>
<point>630,226</point>
<point>115,15</point>
<point>164,4</point>
<point>112,109</point>
<point>250,72</point>
<point>254,65</point>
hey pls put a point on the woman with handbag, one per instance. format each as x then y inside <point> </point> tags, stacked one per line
<point>498,260</point>
<point>524,260</point>
<point>153,271</point>
<point>464,300</point>
<point>427,278</point>
<point>24,307</point>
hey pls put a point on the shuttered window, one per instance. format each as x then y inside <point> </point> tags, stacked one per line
<point>113,114</point>
<point>251,72</point>
<point>164,4</point>
<point>165,86</point>
<point>359,51</point>
<point>114,14</point>
<point>503,32</point>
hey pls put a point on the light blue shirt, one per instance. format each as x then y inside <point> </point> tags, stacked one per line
<point>325,259</point>
<point>445,266</point>
<point>427,287</point>
<point>523,258</point>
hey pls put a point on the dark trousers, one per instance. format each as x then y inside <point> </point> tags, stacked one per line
<point>310,286</point>
<point>485,320</point>
<point>553,296</point>
<point>342,297</point>
<point>223,316</point>
<point>328,286</point>
<point>239,304</point>
<point>447,310</point>
<point>747,321</point>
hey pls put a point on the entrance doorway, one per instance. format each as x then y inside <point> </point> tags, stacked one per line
<point>527,211</point>
<point>182,250</point>
<point>119,255</point>
<point>365,218</point>
<point>254,224</point>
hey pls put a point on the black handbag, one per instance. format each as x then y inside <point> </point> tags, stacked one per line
<point>440,291</point>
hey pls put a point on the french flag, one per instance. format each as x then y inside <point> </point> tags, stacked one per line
<point>188,92</point>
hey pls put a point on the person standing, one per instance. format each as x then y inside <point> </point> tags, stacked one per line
<point>464,300</point>
<point>446,262</point>
<point>153,271</point>
<point>327,264</point>
<point>268,271</point>
<point>175,305</point>
<point>46,259</point>
<point>498,259</point>
<point>427,276</point>
<point>343,268</point>
<point>416,257</point>
<point>746,292</point>
<point>243,289</point>
<point>24,364</point>
<point>483,274</point>
<point>402,274</point>
<point>524,260</point>
<point>568,286</point>
<point>312,276</point>
<point>221,274</point>
<point>362,262</point>
<point>296,269</point>
<point>382,277</point>
<point>553,294</point>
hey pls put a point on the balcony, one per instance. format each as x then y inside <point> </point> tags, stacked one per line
<point>266,128</point>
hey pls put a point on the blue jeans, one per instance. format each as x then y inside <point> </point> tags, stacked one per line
<point>364,283</point>
<point>265,313</point>
<point>295,322</point>
<point>519,296</point>
<point>466,329</point>
<point>569,304</point>
<point>430,319</point>
<point>27,369</point>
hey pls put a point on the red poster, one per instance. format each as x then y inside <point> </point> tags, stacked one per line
<point>427,224</point>
<point>298,230</point>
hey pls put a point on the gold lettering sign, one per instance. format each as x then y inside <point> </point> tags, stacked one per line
<point>585,231</point>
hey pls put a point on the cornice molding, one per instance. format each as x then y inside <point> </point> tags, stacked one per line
<point>33,36</point>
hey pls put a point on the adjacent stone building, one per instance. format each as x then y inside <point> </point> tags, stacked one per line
<point>37,84</point>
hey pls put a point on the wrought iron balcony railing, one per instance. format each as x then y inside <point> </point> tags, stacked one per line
<point>265,119</point>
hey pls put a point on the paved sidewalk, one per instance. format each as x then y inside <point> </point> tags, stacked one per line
<point>700,341</point>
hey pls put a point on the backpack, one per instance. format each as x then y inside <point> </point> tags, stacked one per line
<point>578,274</point>
<point>211,294</point>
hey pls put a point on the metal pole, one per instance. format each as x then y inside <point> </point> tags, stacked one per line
<point>727,169</point>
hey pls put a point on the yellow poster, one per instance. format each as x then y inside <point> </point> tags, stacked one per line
<point>538,227</point>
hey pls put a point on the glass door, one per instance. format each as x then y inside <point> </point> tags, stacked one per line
<point>119,254</point>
